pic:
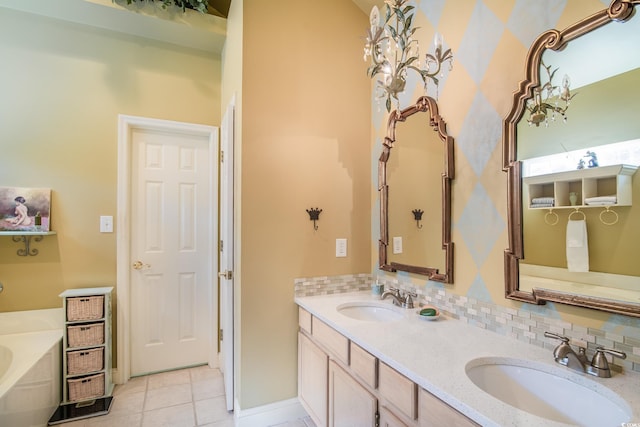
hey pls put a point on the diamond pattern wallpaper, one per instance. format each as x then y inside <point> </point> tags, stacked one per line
<point>490,40</point>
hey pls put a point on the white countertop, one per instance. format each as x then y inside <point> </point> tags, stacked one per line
<point>434,355</point>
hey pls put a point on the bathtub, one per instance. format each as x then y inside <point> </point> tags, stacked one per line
<point>30,366</point>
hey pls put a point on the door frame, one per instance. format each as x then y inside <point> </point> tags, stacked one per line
<point>126,124</point>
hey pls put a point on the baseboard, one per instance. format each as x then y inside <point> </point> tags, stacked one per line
<point>268,415</point>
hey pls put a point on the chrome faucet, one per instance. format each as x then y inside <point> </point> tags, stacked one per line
<point>401,299</point>
<point>565,355</point>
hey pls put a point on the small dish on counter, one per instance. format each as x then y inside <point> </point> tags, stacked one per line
<point>428,312</point>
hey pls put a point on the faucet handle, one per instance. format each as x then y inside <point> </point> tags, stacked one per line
<point>556,336</point>
<point>408,300</point>
<point>600,360</point>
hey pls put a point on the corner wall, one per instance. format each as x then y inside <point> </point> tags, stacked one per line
<point>305,143</point>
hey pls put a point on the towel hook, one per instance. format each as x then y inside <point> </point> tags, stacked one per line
<point>549,215</point>
<point>609,210</point>
<point>314,215</point>
<point>584,217</point>
<point>417,215</point>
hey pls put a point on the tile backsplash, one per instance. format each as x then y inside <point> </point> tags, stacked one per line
<point>528,323</point>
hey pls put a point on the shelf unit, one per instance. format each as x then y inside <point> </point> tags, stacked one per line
<point>86,361</point>
<point>25,238</point>
<point>595,182</point>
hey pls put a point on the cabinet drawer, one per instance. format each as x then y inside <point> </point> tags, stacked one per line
<point>435,413</point>
<point>364,365</point>
<point>84,335</point>
<point>330,339</point>
<point>398,390</point>
<point>304,320</point>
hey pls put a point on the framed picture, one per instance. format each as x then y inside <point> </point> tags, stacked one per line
<point>25,209</point>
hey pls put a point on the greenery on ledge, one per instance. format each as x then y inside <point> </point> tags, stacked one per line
<point>199,5</point>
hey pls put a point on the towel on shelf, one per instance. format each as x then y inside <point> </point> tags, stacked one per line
<point>544,200</point>
<point>542,205</point>
<point>577,246</point>
<point>601,200</point>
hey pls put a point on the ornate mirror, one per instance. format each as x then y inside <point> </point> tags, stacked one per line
<point>415,193</point>
<point>573,190</point>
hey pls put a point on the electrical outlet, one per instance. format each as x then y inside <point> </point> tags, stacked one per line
<point>397,245</point>
<point>341,248</point>
<point>106,224</point>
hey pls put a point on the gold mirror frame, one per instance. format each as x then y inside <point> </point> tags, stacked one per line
<point>428,105</point>
<point>619,10</point>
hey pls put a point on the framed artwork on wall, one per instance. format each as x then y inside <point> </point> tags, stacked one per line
<point>25,209</point>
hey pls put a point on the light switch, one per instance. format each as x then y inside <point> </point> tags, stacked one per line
<point>341,248</point>
<point>106,224</point>
<point>397,245</point>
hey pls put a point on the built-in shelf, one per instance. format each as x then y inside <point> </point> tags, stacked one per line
<point>25,237</point>
<point>586,183</point>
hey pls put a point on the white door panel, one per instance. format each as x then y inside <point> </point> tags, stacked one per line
<point>171,228</point>
<point>226,255</point>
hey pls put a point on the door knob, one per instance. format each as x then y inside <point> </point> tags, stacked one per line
<point>139,265</point>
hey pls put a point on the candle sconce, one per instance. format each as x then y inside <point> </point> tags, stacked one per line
<point>417,215</point>
<point>314,215</point>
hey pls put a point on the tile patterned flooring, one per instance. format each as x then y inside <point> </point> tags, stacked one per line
<point>183,398</point>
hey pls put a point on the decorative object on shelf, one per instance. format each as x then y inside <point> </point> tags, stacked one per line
<point>592,160</point>
<point>314,215</point>
<point>573,198</point>
<point>417,215</point>
<point>394,51</point>
<point>198,5</point>
<point>25,209</point>
<point>546,99</point>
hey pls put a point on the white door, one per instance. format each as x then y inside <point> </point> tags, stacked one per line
<point>226,254</point>
<point>172,257</point>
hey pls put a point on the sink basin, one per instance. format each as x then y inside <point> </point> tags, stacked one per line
<point>555,394</point>
<point>371,311</point>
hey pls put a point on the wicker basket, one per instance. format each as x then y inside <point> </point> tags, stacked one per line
<point>85,361</point>
<point>85,308</point>
<point>85,335</point>
<point>86,388</point>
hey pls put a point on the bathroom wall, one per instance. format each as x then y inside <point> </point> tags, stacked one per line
<point>63,86</point>
<point>305,144</point>
<point>490,40</point>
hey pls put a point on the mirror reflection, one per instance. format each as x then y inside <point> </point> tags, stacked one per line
<point>579,199</point>
<point>415,193</point>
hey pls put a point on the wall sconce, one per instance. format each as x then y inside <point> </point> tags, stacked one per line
<point>417,215</point>
<point>314,215</point>
<point>546,100</point>
<point>393,51</point>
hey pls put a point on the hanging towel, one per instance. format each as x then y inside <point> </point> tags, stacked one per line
<point>577,246</point>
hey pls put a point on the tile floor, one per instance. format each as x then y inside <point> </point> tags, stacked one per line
<point>183,398</point>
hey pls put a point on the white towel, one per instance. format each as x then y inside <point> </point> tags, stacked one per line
<point>577,246</point>
<point>601,200</point>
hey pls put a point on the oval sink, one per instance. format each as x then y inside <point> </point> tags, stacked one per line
<point>549,393</point>
<point>370,311</point>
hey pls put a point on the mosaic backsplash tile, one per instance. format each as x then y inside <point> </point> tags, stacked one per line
<point>526,324</point>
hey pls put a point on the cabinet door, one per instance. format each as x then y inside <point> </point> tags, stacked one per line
<point>312,380</point>
<point>433,412</point>
<point>350,404</point>
<point>387,419</point>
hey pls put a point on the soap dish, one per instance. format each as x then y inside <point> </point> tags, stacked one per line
<point>428,312</point>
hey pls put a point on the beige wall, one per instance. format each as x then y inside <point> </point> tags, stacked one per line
<point>63,86</point>
<point>305,143</point>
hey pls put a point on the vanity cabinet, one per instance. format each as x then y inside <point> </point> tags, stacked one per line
<point>86,358</point>
<point>342,384</point>
<point>350,404</point>
<point>435,413</point>
<point>313,364</point>
<point>595,182</point>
